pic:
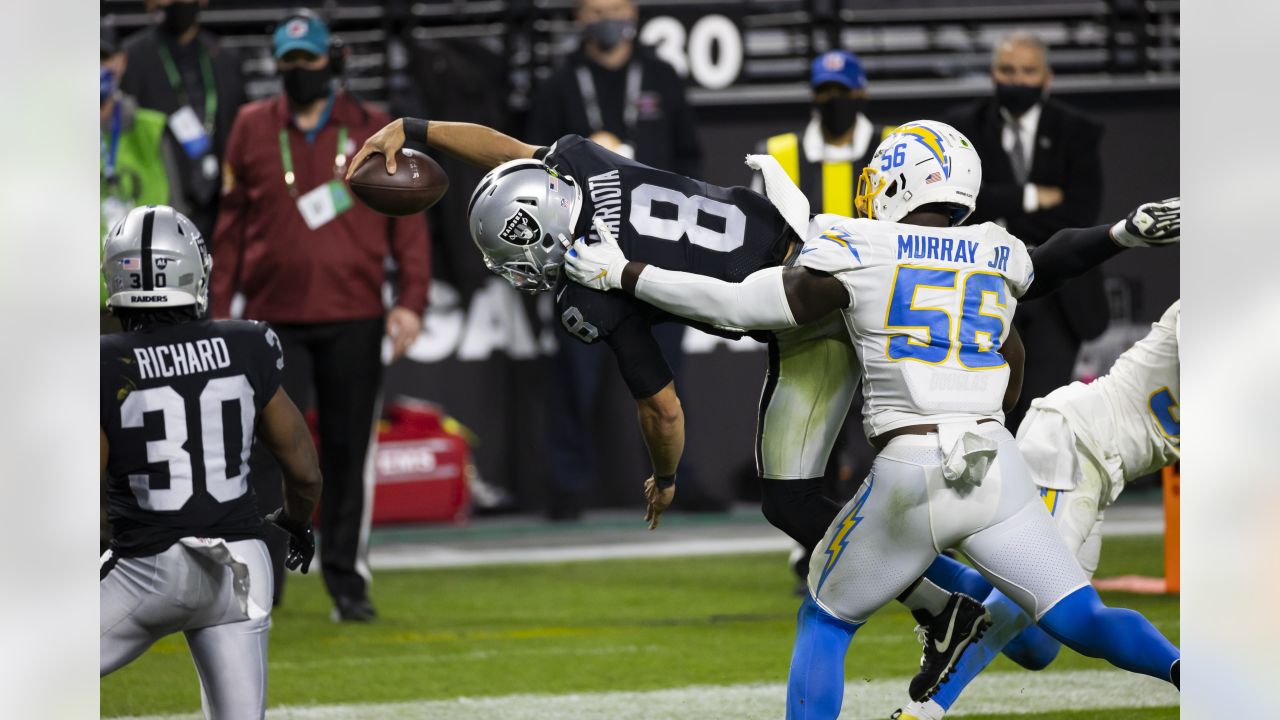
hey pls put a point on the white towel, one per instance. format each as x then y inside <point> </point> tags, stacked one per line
<point>791,203</point>
<point>217,550</point>
<point>966,455</point>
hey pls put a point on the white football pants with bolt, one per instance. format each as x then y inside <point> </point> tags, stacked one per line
<point>906,513</point>
<point>223,608</point>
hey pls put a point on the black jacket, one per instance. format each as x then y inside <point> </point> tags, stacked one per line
<point>666,132</point>
<point>1068,156</point>
<point>145,79</point>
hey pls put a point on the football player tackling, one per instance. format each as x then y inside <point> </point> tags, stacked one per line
<point>182,399</point>
<point>928,307</point>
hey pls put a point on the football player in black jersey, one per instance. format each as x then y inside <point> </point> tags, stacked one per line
<point>536,200</point>
<point>182,399</point>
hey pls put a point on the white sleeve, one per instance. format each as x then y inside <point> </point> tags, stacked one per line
<point>759,302</point>
<point>1021,271</point>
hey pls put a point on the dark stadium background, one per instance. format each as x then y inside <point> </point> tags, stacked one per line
<point>1116,59</point>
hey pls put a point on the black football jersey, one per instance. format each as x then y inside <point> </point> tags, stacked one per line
<point>179,406</point>
<point>663,219</point>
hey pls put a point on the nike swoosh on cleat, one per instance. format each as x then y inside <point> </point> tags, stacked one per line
<point>942,645</point>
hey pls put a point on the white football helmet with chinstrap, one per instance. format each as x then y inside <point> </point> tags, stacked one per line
<point>921,162</point>
<point>518,215</point>
<point>154,257</point>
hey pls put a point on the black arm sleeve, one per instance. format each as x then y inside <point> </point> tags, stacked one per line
<point>639,357</point>
<point>1068,254</point>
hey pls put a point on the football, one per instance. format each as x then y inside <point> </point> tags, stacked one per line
<point>417,184</point>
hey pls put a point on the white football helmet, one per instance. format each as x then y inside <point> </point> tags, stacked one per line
<point>517,215</point>
<point>154,257</point>
<point>922,162</point>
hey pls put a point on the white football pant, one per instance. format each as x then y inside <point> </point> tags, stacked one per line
<point>143,599</point>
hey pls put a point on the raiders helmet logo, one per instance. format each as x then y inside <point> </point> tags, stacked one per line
<point>520,229</point>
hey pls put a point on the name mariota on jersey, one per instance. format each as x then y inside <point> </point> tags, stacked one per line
<point>931,247</point>
<point>182,358</point>
<point>605,190</point>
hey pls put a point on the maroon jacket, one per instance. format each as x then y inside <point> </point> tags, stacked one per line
<point>263,248</point>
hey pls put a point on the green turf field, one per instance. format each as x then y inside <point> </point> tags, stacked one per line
<point>632,625</point>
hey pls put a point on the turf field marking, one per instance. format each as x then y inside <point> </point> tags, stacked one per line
<point>418,556</point>
<point>1011,693</point>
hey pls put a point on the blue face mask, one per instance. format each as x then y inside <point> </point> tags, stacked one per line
<point>106,84</point>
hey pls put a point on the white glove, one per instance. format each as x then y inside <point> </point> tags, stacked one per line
<point>598,266</point>
<point>1155,223</point>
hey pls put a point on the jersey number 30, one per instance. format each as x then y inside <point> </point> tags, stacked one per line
<point>169,449</point>
<point>969,333</point>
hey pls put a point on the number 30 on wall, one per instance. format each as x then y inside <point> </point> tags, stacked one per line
<point>712,55</point>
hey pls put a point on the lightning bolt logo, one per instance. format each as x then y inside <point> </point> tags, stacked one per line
<point>843,239</point>
<point>850,521</point>
<point>931,140</point>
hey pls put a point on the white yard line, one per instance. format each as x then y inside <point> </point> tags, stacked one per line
<point>1012,693</point>
<point>423,556</point>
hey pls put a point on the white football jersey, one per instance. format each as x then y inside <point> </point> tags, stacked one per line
<point>1128,419</point>
<point>930,308</point>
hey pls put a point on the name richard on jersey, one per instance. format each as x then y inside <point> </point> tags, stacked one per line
<point>182,358</point>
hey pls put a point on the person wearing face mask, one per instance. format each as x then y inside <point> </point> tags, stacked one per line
<point>619,94</point>
<point>622,96</point>
<point>825,159</point>
<point>310,260</point>
<point>137,163</point>
<point>1041,172</point>
<point>184,72</point>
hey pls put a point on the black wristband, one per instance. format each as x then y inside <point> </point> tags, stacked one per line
<point>664,481</point>
<point>415,131</point>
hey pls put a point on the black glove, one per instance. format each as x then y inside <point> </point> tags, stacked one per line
<point>302,541</point>
<point>1151,224</point>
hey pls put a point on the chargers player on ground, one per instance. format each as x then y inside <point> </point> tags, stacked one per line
<point>928,308</point>
<point>1081,443</point>
<point>182,399</point>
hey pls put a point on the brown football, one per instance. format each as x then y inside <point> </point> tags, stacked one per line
<point>417,184</point>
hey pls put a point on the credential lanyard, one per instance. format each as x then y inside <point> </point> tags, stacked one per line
<point>286,158</point>
<point>206,72</point>
<point>111,146</point>
<point>591,101</point>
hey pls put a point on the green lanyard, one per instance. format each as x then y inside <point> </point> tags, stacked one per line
<point>206,71</point>
<point>286,158</point>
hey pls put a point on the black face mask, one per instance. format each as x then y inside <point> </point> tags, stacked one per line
<point>178,17</point>
<point>1018,99</point>
<point>838,114</point>
<point>304,86</point>
<point>608,34</point>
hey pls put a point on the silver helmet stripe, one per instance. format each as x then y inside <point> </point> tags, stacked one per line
<point>148,224</point>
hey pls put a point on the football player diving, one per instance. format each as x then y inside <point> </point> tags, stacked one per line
<point>182,400</point>
<point>527,209</point>
<point>535,200</point>
<point>1081,443</point>
<point>927,308</point>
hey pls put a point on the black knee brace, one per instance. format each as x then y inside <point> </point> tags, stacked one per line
<point>798,508</point>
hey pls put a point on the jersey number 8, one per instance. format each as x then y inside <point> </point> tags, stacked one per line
<point>682,215</point>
